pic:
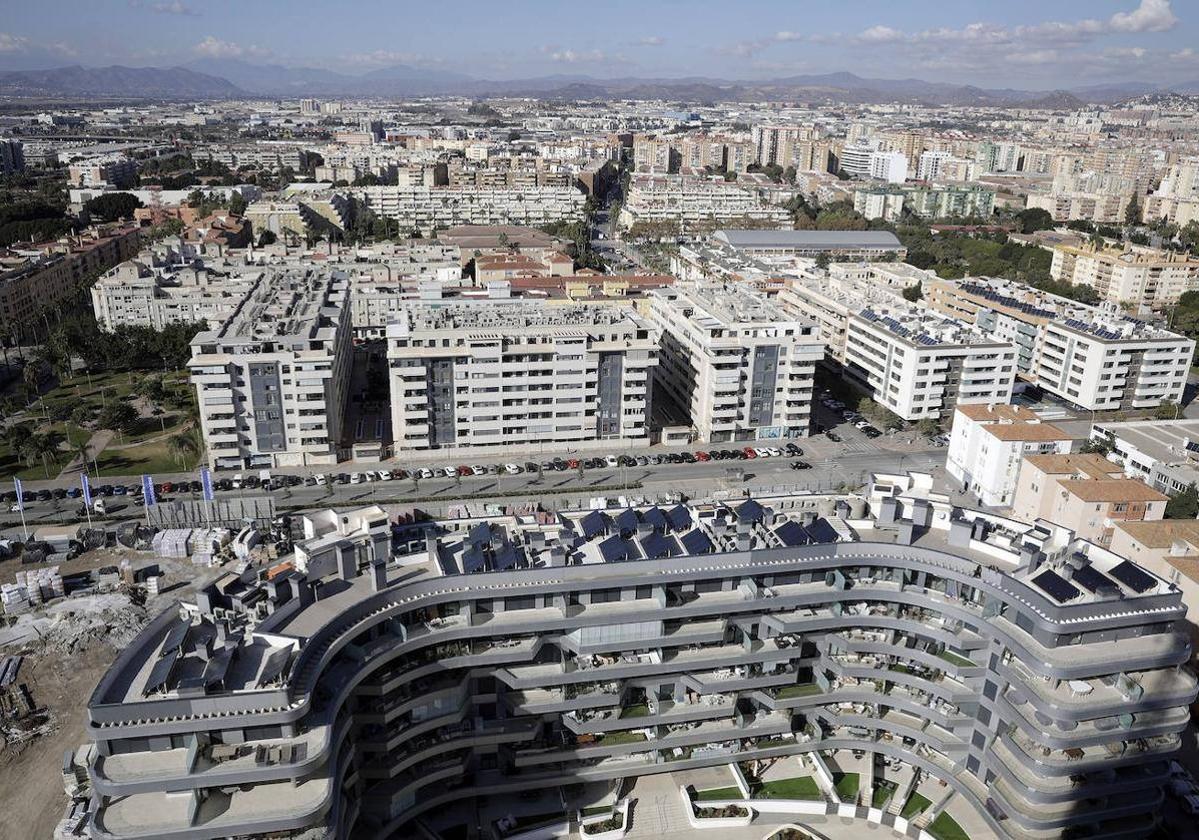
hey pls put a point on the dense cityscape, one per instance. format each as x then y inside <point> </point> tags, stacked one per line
<point>771,452</point>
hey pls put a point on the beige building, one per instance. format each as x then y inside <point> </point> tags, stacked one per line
<point>1135,276</point>
<point>1084,492</point>
<point>1169,548</point>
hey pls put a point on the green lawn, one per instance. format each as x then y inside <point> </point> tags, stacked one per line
<point>847,785</point>
<point>790,691</point>
<point>883,791</point>
<point>149,458</point>
<point>916,804</point>
<point>712,794</point>
<point>799,787</point>
<point>945,827</point>
<point>615,738</point>
<point>639,710</point>
<point>955,659</point>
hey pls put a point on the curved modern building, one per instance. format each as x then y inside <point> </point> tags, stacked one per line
<point>366,685</point>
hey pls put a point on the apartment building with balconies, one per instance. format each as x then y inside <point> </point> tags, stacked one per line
<point>696,204</point>
<point>271,380</point>
<point>1040,678</point>
<point>988,443</point>
<point>1137,277</point>
<point>504,372</point>
<point>429,209</point>
<point>1093,357</point>
<point>735,364</point>
<point>919,364</point>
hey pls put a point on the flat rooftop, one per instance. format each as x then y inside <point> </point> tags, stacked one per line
<point>810,239</point>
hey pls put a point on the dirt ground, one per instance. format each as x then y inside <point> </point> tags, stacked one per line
<point>30,775</point>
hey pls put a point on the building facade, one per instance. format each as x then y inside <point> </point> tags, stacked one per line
<point>987,444</point>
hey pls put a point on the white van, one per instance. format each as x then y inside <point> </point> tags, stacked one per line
<point>238,481</point>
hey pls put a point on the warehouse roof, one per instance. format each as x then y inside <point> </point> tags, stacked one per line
<point>831,239</point>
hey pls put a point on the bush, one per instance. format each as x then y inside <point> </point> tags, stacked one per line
<point>113,206</point>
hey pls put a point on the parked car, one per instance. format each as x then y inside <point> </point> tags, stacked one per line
<point>357,478</point>
<point>512,469</point>
<point>833,436</point>
<point>612,461</point>
<point>800,465</point>
<point>750,452</point>
<point>871,432</point>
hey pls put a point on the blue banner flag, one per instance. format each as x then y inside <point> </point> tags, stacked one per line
<point>87,489</point>
<point>20,494</point>
<point>148,491</point>
<point>206,483</point>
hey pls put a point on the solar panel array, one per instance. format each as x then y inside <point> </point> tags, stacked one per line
<point>1134,577</point>
<point>1094,580</point>
<point>1057,587</point>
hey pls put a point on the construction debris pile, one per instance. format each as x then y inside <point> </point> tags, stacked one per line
<point>31,589</point>
<point>111,618</point>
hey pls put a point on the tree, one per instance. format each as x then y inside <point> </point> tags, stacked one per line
<point>267,237</point>
<point>117,416</point>
<point>182,447</point>
<point>1184,504</point>
<point>110,207</point>
<point>1132,213</point>
<point>1034,219</point>
<point>928,427</point>
<point>1167,411</point>
<point>822,260</point>
<point>914,292</point>
<point>237,205</point>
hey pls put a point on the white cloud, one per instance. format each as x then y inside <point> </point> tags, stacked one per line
<point>578,57</point>
<point>881,35</point>
<point>785,36</point>
<point>1150,16</point>
<point>174,7</point>
<point>651,41</point>
<point>13,43</point>
<point>384,57</point>
<point>212,47</point>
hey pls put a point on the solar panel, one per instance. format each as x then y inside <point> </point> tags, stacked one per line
<point>1092,579</point>
<point>217,667</point>
<point>1133,576</point>
<point>696,542</point>
<point>625,521</point>
<point>175,636</point>
<point>822,531</point>
<point>481,533</point>
<point>506,558</point>
<point>160,674</point>
<point>1058,588</point>
<point>614,549</point>
<point>592,524</point>
<point>655,518</point>
<point>680,518</point>
<point>276,662</point>
<point>792,533</point>
<point>473,561</point>
<point>750,511</point>
<point>654,545</point>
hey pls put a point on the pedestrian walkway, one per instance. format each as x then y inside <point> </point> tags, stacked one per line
<point>96,444</point>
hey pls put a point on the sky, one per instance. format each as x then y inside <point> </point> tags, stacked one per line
<point>997,43</point>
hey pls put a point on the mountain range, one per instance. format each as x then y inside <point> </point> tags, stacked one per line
<point>230,78</point>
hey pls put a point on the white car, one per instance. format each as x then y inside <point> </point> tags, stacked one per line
<point>775,452</point>
<point>425,472</point>
<point>448,472</point>
<point>322,479</point>
<point>612,461</point>
<point>356,478</point>
<point>16,508</point>
<point>512,469</point>
<point>478,469</point>
<point>761,451</point>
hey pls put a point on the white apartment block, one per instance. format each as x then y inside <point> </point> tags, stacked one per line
<point>739,366</point>
<point>931,165</point>
<point>1093,357</point>
<point>1089,206</point>
<point>948,202</point>
<point>921,365</point>
<point>855,159</point>
<point>694,203</point>
<point>1136,276</point>
<point>891,167</point>
<point>271,381</point>
<point>428,209</point>
<point>114,170</point>
<point>507,373</point>
<point>879,203</point>
<point>1110,362</point>
<point>156,289</point>
<point>987,444</point>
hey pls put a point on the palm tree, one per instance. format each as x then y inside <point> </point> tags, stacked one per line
<point>32,377</point>
<point>83,451</point>
<point>181,446</point>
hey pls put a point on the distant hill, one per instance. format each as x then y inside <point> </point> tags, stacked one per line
<point>141,82</point>
<point>216,78</point>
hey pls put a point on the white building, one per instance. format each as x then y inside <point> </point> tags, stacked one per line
<point>428,209</point>
<point>921,365</point>
<point>931,165</point>
<point>891,167</point>
<point>504,373</point>
<point>988,443</point>
<point>879,203</point>
<point>736,364</point>
<point>271,381</point>
<point>695,203</point>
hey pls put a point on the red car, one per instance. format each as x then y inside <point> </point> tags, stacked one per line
<point>167,487</point>
<point>703,456</point>
<point>750,452</point>
<point>572,463</point>
<point>465,471</point>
